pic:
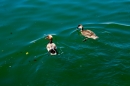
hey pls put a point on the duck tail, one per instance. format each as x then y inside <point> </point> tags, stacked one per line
<point>53,52</point>
<point>94,37</point>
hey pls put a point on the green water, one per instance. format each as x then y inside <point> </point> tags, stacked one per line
<point>103,62</point>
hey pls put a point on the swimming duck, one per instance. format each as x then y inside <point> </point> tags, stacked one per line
<point>51,47</point>
<point>87,33</point>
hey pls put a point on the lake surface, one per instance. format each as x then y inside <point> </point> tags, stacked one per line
<point>24,60</point>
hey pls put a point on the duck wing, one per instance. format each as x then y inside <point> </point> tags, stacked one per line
<point>87,33</point>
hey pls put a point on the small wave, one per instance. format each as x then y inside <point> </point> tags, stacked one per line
<point>40,38</point>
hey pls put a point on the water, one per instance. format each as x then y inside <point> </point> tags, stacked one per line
<point>103,62</point>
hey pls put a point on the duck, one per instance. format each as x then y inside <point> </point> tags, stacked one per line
<point>51,47</point>
<point>87,33</point>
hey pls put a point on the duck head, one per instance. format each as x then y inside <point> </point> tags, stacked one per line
<point>80,27</point>
<point>50,37</point>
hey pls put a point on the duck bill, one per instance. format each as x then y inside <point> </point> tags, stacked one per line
<point>46,37</point>
<point>77,28</point>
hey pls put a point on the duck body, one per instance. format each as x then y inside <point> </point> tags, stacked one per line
<point>51,47</point>
<point>87,33</point>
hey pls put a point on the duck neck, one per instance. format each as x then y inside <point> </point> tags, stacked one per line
<point>50,41</point>
<point>82,29</point>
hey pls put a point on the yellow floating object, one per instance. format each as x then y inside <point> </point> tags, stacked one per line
<point>27,53</point>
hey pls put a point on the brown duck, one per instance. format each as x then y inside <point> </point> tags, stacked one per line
<point>51,47</point>
<point>87,33</point>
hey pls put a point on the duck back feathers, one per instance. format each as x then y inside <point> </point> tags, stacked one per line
<point>89,34</point>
